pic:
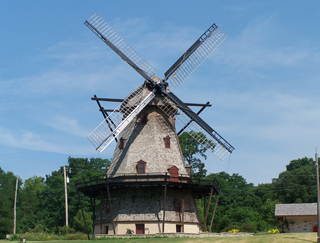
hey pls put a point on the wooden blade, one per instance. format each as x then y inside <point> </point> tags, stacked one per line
<point>198,128</point>
<point>194,56</point>
<point>105,32</point>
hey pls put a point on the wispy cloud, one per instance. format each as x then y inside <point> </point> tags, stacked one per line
<point>254,48</point>
<point>67,125</point>
<point>90,66</point>
<point>33,141</point>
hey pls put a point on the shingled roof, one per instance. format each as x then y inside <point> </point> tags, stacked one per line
<point>295,209</point>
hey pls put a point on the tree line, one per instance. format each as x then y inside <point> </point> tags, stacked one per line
<point>241,205</point>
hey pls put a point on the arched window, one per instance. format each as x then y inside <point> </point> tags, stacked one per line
<point>167,142</point>
<point>143,119</point>
<point>141,167</point>
<point>121,144</point>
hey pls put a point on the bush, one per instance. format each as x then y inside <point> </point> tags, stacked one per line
<point>234,231</point>
<point>79,223</point>
<point>15,237</point>
<point>44,236</point>
<point>76,236</point>
<point>65,230</point>
<point>263,226</point>
<point>231,227</point>
<point>248,227</point>
<point>38,229</point>
<point>273,231</point>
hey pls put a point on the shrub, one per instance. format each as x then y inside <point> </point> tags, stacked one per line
<point>273,231</point>
<point>234,231</point>
<point>65,230</point>
<point>43,236</point>
<point>248,227</point>
<point>230,227</point>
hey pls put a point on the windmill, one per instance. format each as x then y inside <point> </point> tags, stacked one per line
<point>148,157</point>
<point>116,122</point>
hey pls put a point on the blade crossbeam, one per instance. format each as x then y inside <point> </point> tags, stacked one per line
<point>189,63</point>
<point>107,34</point>
<point>102,136</point>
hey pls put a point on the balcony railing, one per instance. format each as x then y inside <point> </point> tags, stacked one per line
<point>147,178</point>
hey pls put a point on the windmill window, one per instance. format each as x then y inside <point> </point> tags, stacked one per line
<point>177,206</point>
<point>121,144</point>
<point>167,142</point>
<point>141,167</point>
<point>143,119</point>
<point>178,228</point>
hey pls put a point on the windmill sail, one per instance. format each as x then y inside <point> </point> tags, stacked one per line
<point>102,136</point>
<point>107,34</point>
<point>198,129</point>
<point>194,56</point>
<point>122,116</point>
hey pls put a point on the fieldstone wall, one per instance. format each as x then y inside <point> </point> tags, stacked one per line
<point>138,204</point>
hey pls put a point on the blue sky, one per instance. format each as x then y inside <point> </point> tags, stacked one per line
<point>263,81</point>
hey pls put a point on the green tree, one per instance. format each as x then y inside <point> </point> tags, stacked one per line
<point>298,183</point>
<point>41,203</point>
<point>30,203</point>
<point>267,211</point>
<point>236,196</point>
<point>7,194</point>
<point>193,151</point>
<point>79,223</point>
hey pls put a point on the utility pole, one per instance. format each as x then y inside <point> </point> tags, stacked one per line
<point>65,192</point>
<point>15,209</point>
<point>318,218</point>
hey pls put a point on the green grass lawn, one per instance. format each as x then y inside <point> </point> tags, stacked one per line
<point>276,238</point>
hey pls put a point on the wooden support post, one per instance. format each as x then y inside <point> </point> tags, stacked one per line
<point>182,206</point>
<point>110,205</point>
<point>101,200</point>
<point>204,210</point>
<point>84,219</point>
<point>214,212</point>
<point>207,213</point>
<point>93,214</point>
<point>164,203</point>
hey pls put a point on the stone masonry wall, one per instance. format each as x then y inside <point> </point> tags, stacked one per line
<point>136,204</point>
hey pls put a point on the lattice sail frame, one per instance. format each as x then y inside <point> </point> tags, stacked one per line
<point>211,41</point>
<point>110,128</point>
<point>107,31</point>
<point>181,119</point>
<point>103,135</point>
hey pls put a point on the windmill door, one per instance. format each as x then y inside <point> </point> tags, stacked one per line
<point>139,229</point>
<point>174,174</point>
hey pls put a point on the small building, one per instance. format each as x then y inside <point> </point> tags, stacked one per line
<point>297,217</point>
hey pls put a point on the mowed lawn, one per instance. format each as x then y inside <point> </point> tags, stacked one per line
<point>277,238</point>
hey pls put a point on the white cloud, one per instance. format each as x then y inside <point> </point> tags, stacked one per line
<point>265,45</point>
<point>67,125</point>
<point>33,141</point>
